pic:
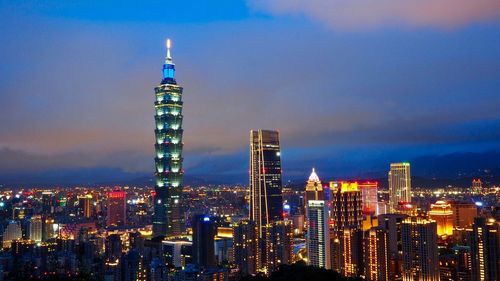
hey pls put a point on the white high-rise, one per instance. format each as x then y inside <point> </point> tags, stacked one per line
<point>318,234</point>
<point>399,185</point>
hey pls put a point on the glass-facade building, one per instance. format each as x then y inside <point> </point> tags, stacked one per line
<point>266,202</point>
<point>168,218</point>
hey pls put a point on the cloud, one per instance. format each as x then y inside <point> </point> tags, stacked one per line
<point>369,14</point>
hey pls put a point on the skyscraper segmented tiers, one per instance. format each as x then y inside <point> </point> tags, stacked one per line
<point>266,202</point>
<point>168,218</point>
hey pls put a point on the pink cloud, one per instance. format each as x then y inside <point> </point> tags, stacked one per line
<point>363,14</point>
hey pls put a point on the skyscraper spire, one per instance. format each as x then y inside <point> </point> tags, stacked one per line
<point>168,59</point>
<point>168,66</point>
<point>314,177</point>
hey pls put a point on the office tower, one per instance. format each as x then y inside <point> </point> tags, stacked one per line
<point>168,218</point>
<point>318,234</point>
<point>463,214</point>
<point>85,206</point>
<point>485,249</point>
<point>420,252</point>
<point>351,251</point>
<point>278,244</point>
<point>116,208</point>
<point>203,241</point>
<point>346,206</point>
<point>376,254</point>
<point>113,247</point>
<point>246,247</point>
<point>36,226</point>
<point>477,186</point>
<point>369,197</point>
<point>265,179</point>
<point>443,215</point>
<point>399,185</point>
<point>12,232</point>
<point>391,223</point>
<point>314,189</point>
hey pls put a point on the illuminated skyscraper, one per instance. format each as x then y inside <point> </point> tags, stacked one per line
<point>318,234</point>
<point>399,185</point>
<point>116,208</point>
<point>369,197</point>
<point>278,244</point>
<point>84,205</point>
<point>12,232</point>
<point>314,189</point>
<point>420,250</point>
<point>442,213</point>
<point>485,249</point>
<point>266,202</point>
<point>203,241</point>
<point>347,218</point>
<point>36,226</point>
<point>376,255</point>
<point>246,247</point>
<point>346,209</point>
<point>168,218</point>
<point>463,214</point>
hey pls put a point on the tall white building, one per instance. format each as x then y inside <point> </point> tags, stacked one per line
<point>318,234</point>
<point>399,185</point>
<point>12,232</point>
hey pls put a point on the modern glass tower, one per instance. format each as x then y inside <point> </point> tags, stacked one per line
<point>266,202</point>
<point>168,218</point>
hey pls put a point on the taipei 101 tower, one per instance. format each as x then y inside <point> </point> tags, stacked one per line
<point>168,216</point>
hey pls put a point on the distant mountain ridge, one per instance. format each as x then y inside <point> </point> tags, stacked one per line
<point>455,169</point>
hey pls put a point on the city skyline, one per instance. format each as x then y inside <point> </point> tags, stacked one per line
<point>453,58</point>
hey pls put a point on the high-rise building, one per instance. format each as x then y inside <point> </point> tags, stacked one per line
<point>351,251</point>
<point>376,255</point>
<point>168,218</point>
<point>36,227</point>
<point>318,234</point>
<point>266,202</point>
<point>346,206</point>
<point>399,185</point>
<point>246,247</point>
<point>314,189</point>
<point>85,206</point>
<point>12,232</point>
<point>203,241</point>
<point>463,214</point>
<point>420,250</point>
<point>485,249</point>
<point>347,219</point>
<point>116,208</point>
<point>391,223</point>
<point>477,186</point>
<point>442,213</point>
<point>369,197</point>
<point>278,244</point>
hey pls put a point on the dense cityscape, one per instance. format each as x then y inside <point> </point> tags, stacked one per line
<point>175,232</point>
<point>299,141</point>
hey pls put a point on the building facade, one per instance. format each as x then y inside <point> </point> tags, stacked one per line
<point>168,218</point>
<point>420,250</point>
<point>117,208</point>
<point>266,202</point>
<point>318,234</point>
<point>399,185</point>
